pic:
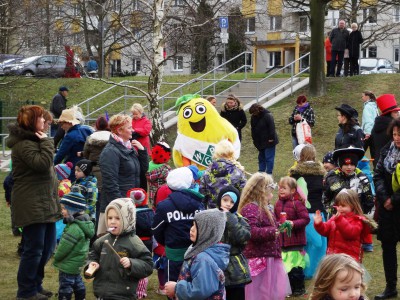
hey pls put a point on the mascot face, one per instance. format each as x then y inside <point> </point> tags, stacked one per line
<point>195,118</point>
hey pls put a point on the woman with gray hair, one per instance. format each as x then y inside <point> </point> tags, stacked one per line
<point>354,42</point>
<point>141,126</point>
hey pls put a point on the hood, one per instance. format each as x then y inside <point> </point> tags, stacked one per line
<point>223,108</point>
<point>126,211</point>
<point>84,223</point>
<point>308,168</point>
<point>99,138</point>
<point>382,123</point>
<point>226,189</point>
<point>18,134</point>
<point>222,167</point>
<point>186,200</point>
<point>220,253</point>
<point>210,228</point>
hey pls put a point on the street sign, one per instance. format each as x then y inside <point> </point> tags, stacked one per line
<point>224,41</point>
<point>224,35</point>
<point>223,22</point>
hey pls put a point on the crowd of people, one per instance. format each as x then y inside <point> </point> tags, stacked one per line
<point>210,234</point>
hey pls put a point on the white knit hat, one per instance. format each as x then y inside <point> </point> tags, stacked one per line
<point>180,179</point>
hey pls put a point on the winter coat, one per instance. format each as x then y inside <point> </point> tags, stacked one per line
<point>219,174</point>
<point>95,143</point>
<point>370,112</point>
<point>307,114</point>
<point>237,117</point>
<point>88,188</point>
<point>339,39</point>
<point>156,178</point>
<point>263,241</point>
<point>111,280</point>
<point>236,234</point>
<point>120,168</point>
<point>263,130</point>
<point>73,248</point>
<point>297,213</point>
<point>344,233</point>
<point>337,180</point>
<point>142,128</point>
<point>354,42</point>
<point>355,137</point>
<point>72,143</point>
<point>173,220</point>
<point>328,49</point>
<point>202,276</point>
<point>313,174</point>
<point>389,220</point>
<point>34,194</point>
<point>144,220</point>
<point>58,104</point>
<point>379,134</point>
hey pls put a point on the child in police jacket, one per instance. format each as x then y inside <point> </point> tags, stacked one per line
<point>202,274</point>
<point>72,250</point>
<point>236,234</point>
<point>117,276</point>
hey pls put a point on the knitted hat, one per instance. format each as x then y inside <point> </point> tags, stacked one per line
<point>138,195</point>
<point>387,103</point>
<point>195,171</point>
<point>297,151</point>
<point>180,179</point>
<point>126,211</point>
<point>232,192</point>
<point>328,158</point>
<point>161,153</point>
<point>63,89</point>
<point>85,166</point>
<point>74,201</point>
<point>348,156</point>
<point>210,228</point>
<point>64,170</point>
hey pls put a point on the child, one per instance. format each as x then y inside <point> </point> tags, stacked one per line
<point>338,277</point>
<point>87,184</point>
<point>328,162</point>
<point>116,275</point>
<point>293,244</point>
<point>72,250</point>
<point>263,252</point>
<point>236,234</point>
<point>346,229</point>
<point>174,218</point>
<point>144,220</point>
<point>63,172</point>
<point>202,273</point>
<point>158,169</point>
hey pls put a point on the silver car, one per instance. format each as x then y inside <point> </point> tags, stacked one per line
<point>376,66</point>
<point>7,64</point>
<point>45,65</point>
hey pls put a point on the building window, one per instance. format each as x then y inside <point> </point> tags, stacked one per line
<point>59,40</point>
<point>179,2</point>
<point>136,65</point>
<point>303,22</point>
<point>135,5</point>
<point>396,13</point>
<point>249,60</point>
<point>274,59</point>
<point>250,25</point>
<point>77,38</point>
<point>28,42</point>
<point>58,12</point>
<point>178,63</point>
<point>275,22</point>
<point>396,55</point>
<point>75,9</point>
<point>370,15</point>
<point>369,52</point>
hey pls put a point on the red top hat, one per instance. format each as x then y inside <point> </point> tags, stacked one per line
<point>387,103</point>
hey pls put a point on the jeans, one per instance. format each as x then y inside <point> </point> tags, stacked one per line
<point>295,142</point>
<point>69,283</point>
<point>266,158</point>
<point>338,62</point>
<point>39,245</point>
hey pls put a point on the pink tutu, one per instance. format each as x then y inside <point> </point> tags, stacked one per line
<point>271,284</point>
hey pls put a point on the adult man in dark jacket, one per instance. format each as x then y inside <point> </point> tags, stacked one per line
<point>339,39</point>
<point>58,104</point>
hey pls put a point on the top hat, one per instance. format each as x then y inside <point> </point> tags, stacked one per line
<point>387,103</point>
<point>347,110</point>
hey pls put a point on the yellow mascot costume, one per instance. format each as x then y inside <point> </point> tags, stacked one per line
<point>200,128</point>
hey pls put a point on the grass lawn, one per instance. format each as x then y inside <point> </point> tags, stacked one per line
<point>340,90</point>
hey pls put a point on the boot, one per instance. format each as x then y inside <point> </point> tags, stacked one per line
<point>389,292</point>
<point>64,296</point>
<point>80,295</point>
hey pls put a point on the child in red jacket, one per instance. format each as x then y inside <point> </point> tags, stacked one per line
<point>293,241</point>
<point>347,229</point>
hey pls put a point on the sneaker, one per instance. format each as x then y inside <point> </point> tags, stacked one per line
<point>161,292</point>
<point>36,297</point>
<point>46,293</point>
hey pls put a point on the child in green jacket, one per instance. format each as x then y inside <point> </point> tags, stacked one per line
<point>72,251</point>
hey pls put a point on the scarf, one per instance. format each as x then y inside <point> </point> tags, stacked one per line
<point>301,109</point>
<point>127,144</point>
<point>392,158</point>
<point>232,108</point>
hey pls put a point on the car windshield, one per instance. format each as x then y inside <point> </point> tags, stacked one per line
<point>29,60</point>
<point>368,62</point>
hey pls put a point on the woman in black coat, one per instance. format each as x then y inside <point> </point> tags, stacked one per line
<point>350,133</point>
<point>264,137</point>
<point>354,42</point>
<point>232,110</point>
<point>389,209</point>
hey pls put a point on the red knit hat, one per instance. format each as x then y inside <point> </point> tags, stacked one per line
<point>161,153</point>
<point>138,195</point>
<point>387,103</point>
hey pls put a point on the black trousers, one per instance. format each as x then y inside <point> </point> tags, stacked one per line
<point>389,256</point>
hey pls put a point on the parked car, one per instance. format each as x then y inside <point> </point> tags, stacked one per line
<point>45,65</point>
<point>8,63</point>
<point>376,65</point>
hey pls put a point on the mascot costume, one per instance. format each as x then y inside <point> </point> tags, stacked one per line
<point>200,128</point>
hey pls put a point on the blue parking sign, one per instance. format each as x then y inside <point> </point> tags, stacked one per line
<point>223,22</point>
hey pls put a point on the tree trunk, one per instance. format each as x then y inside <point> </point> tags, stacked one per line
<point>317,86</point>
